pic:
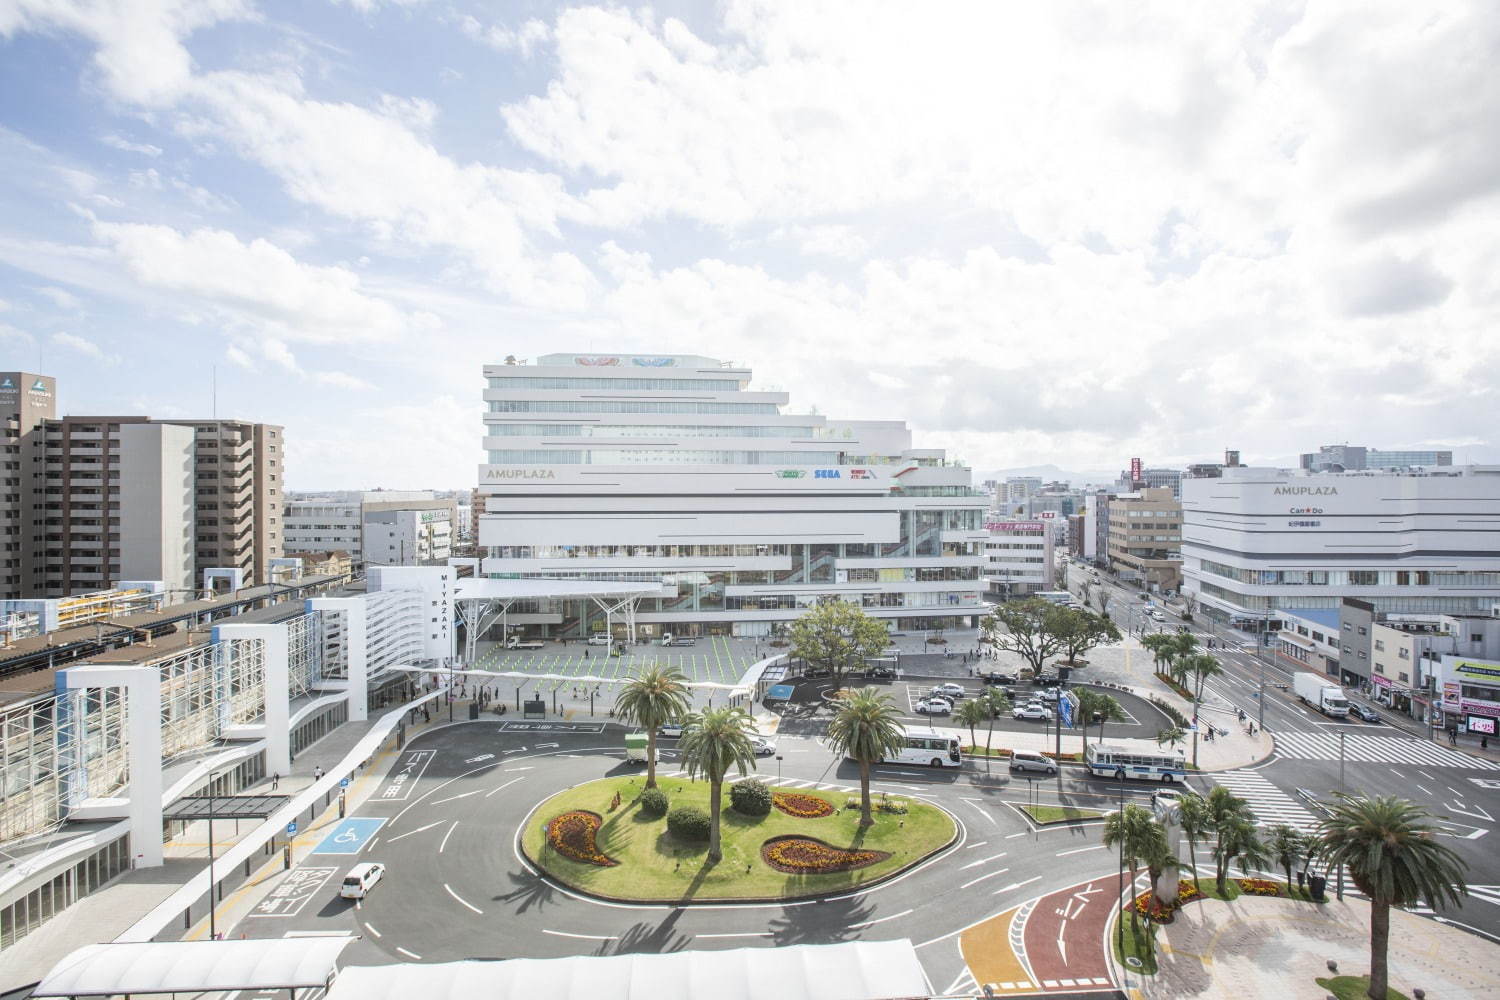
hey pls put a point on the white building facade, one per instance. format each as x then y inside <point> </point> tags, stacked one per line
<point>325,525</point>
<point>1260,540</point>
<point>1018,558</point>
<point>673,470</point>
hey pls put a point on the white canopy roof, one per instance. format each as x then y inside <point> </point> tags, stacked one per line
<point>860,970</point>
<point>193,966</point>
<point>485,589</point>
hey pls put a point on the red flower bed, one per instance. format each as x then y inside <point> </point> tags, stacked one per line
<point>574,836</point>
<point>795,855</point>
<point>1259,886</point>
<point>1148,906</point>
<point>802,806</point>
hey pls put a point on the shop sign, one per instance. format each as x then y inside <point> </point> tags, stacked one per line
<point>520,474</point>
<point>790,473</point>
<point>1484,671</point>
<point>1306,491</point>
<point>653,362</point>
<point>1013,526</point>
<point>1452,692</point>
<point>1473,707</point>
<point>826,474</point>
<point>861,474</point>
<point>1380,681</point>
<point>597,362</point>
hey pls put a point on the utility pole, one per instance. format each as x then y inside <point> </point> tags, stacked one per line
<point>1340,886</point>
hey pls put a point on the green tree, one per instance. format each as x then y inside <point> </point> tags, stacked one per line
<point>1089,702</point>
<point>651,698</point>
<point>971,713</point>
<point>713,741</point>
<point>1233,824</point>
<point>1170,737</point>
<point>866,728</point>
<point>1287,846</point>
<point>1183,645</point>
<point>1394,858</point>
<point>1137,834</point>
<point>1196,821</point>
<point>838,637</point>
<point>996,704</point>
<point>1081,631</point>
<point>1161,647</point>
<point>1200,666</point>
<point>1030,628</point>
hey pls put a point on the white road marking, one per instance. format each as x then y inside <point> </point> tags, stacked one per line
<point>585,937</point>
<point>983,812</point>
<point>881,920</point>
<point>976,864</point>
<point>462,900</point>
<point>748,935</point>
<point>977,843</point>
<point>372,930</point>
<point>1017,885</point>
<point>975,881</point>
<point>453,798</point>
<point>1080,850</point>
<point>447,835</point>
<point>497,788</point>
<point>419,829</point>
<point>1013,836</point>
<point>410,954</point>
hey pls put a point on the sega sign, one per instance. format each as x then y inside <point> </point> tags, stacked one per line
<point>826,474</point>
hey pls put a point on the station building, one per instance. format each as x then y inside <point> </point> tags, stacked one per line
<point>674,470</point>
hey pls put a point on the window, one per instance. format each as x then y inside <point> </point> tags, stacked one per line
<point>1380,645</point>
<point>1361,630</point>
<point>1361,654</point>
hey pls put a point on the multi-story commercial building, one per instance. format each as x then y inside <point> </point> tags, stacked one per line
<point>1257,541</point>
<point>125,497</point>
<point>1018,489</point>
<point>407,536</point>
<point>1145,538</point>
<point>380,528</point>
<point>1355,458</point>
<point>27,401</point>
<point>1163,479</point>
<point>1018,558</point>
<point>325,524</point>
<point>672,469</point>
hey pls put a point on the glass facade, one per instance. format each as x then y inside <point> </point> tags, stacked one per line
<point>647,430</point>
<point>624,406</point>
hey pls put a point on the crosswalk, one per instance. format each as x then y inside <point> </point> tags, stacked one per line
<point>1271,804</point>
<point>1376,749</point>
<point>784,783</point>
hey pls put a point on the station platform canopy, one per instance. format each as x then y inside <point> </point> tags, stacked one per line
<point>152,967</point>
<point>858,970</point>
<point>485,589</point>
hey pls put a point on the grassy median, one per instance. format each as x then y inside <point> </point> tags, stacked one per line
<point>654,866</point>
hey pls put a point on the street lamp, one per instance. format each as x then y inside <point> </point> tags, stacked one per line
<point>213,926</point>
<point>1340,887</point>
<point>778,770</point>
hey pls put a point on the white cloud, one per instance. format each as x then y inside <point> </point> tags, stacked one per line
<point>120,142</point>
<point>257,282</point>
<point>341,380</point>
<point>252,354</point>
<point>59,297</point>
<point>84,346</point>
<point>525,39</point>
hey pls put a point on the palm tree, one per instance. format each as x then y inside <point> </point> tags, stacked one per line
<point>996,703</point>
<point>650,699</point>
<point>1110,710</point>
<point>1170,737</point>
<point>1286,846</point>
<point>866,728</point>
<point>1391,853</point>
<point>1136,832</point>
<point>1181,646</point>
<point>713,741</point>
<point>971,713</point>
<point>1090,703</point>
<point>1202,666</point>
<point>1195,820</point>
<point>1233,823</point>
<point>1157,643</point>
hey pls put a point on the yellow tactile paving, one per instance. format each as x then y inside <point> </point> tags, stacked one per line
<point>991,959</point>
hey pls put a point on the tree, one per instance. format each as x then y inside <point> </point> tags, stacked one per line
<point>866,728</point>
<point>1081,631</point>
<point>1233,825</point>
<point>1161,647</point>
<point>1135,832</point>
<point>713,741</point>
<point>1032,630</point>
<point>1394,858</point>
<point>1103,601</point>
<point>1189,604</point>
<point>1196,821</point>
<point>996,704</point>
<point>971,713</point>
<point>1201,666</point>
<point>1170,737</point>
<point>1110,710</point>
<point>1093,703</point>
<point>838,637</point>
<point>650,699</point>
<point>1286,846</point>
<point>1182,646</point>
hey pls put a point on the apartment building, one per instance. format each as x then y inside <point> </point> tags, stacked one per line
<point>1019,558</point>
<point>673,469</point>
<point>1145,538</point>
<point>27,401</point>
<point>1356,458</point>
<point>379,528</point>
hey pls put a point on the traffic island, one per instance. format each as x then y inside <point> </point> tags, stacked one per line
<point>1052,815</point>
<point>654,864</point>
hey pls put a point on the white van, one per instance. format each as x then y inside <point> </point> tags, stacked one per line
<point>1028,760</point>
<point>361,879</point>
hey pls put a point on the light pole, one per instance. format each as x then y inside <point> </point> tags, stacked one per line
<point>778,770</point>
<point>213,925</point>
<point>1340,886</point>
<point>450,689</point>
<point>1120,917</point>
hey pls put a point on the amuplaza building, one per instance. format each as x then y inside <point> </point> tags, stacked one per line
<point>673,470</point>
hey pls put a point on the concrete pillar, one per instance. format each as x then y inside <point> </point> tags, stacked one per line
<point>353,609</point>
<point>276,711</point>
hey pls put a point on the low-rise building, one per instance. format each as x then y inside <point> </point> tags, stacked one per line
<point>1145,539</point>
<point>1018,559</point>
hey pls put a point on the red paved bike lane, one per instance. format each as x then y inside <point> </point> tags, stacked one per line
<point>1064,936</point>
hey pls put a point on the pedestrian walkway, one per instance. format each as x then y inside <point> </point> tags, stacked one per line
<point>1377,750</point>
<point>1271,804</point>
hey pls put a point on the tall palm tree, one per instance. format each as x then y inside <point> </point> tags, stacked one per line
<point>1391,853</point>
<point>1135,831</point>
<point>1170,737</point>
<point>713,741</point>
<point>1158,644</point>
<point>996,703</point>
<point>1195,820</point>
<point>650,699</point>
<point>1286,846</point>
<point>1233,824</point>
<point>1201,666</point>
<point>1110,710</point>
<point>1088,701</point>
<point>971,713</point>
<point>866,728</point>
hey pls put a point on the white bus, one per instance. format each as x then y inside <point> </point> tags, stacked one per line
<point>931,748</point>
<point>1108,760</point>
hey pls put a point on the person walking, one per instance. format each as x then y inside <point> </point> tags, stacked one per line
<point>275,781</point>
<point>317,772</point>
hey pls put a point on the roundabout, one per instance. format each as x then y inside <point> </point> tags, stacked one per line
<point>601,839</point>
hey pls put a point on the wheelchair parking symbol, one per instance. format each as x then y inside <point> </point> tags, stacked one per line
<point>350,836</point>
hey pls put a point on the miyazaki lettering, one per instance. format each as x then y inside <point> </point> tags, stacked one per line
<point>520,474</point>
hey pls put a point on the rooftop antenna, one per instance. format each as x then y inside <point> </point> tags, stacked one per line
<point>214,401</point>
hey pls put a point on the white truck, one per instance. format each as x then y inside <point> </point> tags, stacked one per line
<point>516,642</point>
<point>1321,693</point>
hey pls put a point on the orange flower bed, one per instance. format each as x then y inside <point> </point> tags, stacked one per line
<point>574,836</point>
<point>795,855</point>
<point>1148,906</point>
<point>802,806</point>
<point>1259,886</point>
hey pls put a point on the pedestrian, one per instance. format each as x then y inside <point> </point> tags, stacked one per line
<point>317,772</point>
<point>275,780</point>
<point>585,653</point>
<point>1484,742</point>
<point>1453,737</point>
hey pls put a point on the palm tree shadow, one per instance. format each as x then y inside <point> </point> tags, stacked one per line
<point>530,890</point>
<point>643,938</point>
<point>823,922</point>
<point>697,883</point>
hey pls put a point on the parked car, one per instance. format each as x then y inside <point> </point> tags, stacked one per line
<point>1029,760</point>
<point>994,679</point>
<point>361,879</point>
<point>673,729</point>
<point>1045,680</point>
<point>881,673</point>
<point>599,640</point>
<point>1050,694</point>
<point>683,640</point>
<point>762,746</point>
<point>1365,712</point>
<point>1032,710</point>
<point>935,706</point>
<point>952,692</point>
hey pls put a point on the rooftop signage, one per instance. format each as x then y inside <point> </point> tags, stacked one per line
<point>519,474</point>
<point>1013,526</point>
<point>1306,491</point>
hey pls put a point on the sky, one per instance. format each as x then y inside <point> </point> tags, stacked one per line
<point>1063,233</point>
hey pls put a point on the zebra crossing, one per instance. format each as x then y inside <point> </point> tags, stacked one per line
<point>793,783</point>
<point>1376,750</point>
<point>1271,804</point>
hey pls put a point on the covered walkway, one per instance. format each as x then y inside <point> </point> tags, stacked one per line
<point>480,601</point>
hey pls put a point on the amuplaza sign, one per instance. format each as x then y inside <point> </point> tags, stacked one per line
<point>1306,491</point>
<point>519,474</point>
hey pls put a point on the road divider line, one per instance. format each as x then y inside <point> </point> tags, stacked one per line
<point>975,881</point>
<point>410,954</point>
<point>982,811</point>
<point>462,900</point>
<point>492,791</point>
<point>1017,885</point>
<point>976,864</point>
<point>372,930</point>
<point>419,829</point>
<point>979,843</point>
<point>1080,850</point>
<point>454,798</point>
<point>447,835</point>
<point>749,934</point>
<point>881,920</point>
<point>585,937</point>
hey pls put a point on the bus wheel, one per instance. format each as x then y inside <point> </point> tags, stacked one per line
<point>936,762</point>
<point>1120,774</point>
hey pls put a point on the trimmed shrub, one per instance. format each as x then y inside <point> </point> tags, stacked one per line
<point>1171,711</point>
<point>688,823</point>
<point>654,802</point>
<point>750,797</point>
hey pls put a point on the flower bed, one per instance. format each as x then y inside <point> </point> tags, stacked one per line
<point>794,855</point>
<point>1148,906</point>
<point>1171,682</point>
<point>802,806</point>
<point>573,835</point>
<point>1259,886</point>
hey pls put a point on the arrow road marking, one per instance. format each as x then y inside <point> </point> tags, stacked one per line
<point>419,829</point>
<point>976,864</point>
<point>544,746</point>
<point>483,756</point>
